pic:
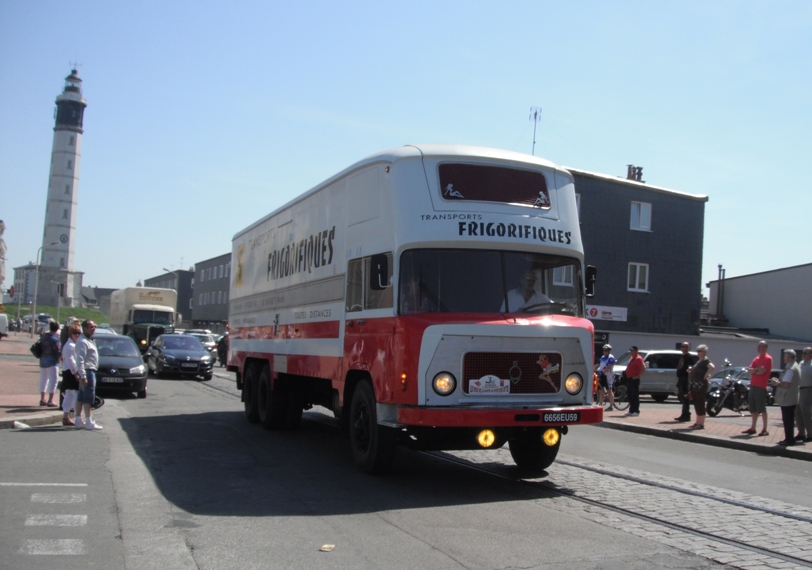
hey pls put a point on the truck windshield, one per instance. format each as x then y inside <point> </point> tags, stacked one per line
<point>487,281</point>
<point>141,316</point>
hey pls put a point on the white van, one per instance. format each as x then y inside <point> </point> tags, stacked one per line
<point>3,325</point>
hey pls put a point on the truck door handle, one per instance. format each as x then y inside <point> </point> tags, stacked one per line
<point>360,322</point>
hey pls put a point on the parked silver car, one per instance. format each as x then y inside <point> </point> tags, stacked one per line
<point>660,377</point>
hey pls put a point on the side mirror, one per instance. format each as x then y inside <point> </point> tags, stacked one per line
<point>591,278</point>
<point>378,272</point>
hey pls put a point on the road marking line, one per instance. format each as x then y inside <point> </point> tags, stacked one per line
<point>43,484</point>
<point>56,520</point>
<point>53,547</point>
<point>58,498</point>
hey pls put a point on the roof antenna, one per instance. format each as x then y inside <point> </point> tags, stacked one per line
<point>535,116</point>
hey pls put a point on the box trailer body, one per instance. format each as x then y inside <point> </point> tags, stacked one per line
<point>143,313</point>
<point>431,296</point>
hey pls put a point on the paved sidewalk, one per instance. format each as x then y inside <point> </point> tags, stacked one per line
<point>19,400</point>
<point>19,385</point>
<point>724,430</point>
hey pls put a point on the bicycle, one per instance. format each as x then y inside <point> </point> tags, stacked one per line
<point>621,393</point>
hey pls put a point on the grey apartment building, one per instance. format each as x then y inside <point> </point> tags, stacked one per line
<point>213,277</point>
<point>182,281</point>
<point>646,243</point>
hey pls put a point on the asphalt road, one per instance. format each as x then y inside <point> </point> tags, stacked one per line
<point>182,480</point>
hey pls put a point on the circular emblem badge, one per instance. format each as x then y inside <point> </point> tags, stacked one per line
<point>63,238</point>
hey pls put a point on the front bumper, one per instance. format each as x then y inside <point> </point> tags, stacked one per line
<point>177,367</point>
<point>486,417</point>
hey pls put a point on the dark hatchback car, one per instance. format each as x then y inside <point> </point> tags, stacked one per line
<point>179,354</point>
<point>120,365</point>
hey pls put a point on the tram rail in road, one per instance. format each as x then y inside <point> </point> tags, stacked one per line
<point>750,548</point>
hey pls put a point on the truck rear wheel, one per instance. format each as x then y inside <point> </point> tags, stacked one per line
<point>373,445</point>
<point>531,454</point>
<point>270,402</point>
<point>249,394</point>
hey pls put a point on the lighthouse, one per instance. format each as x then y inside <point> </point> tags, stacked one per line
<point>59,283</point>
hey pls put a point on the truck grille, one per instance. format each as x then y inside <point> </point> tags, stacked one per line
<point>521,368</point>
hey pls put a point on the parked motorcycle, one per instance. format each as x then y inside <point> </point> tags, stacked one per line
<point>730,393</point>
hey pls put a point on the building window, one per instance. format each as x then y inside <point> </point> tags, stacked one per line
<point>190,303</point>
<point>228,269</point>
<point>638,277</point>
<point>220,272</point>
<point>641,216</point>
<point>200,300</point>
<point>70,165</point>
<point>64,214</point>
<point>219,296</point>
<point>70,141</point>
<point>563,276</point>
<point>67,188</point>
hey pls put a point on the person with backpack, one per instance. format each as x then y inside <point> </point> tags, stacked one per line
<point>49,364</point>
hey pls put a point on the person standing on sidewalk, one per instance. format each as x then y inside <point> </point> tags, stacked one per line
<point>803,413</point>
<point>49,364</point>
<point>87,362</point>
<point>757,396</point>
<point>786,395</point>
<point>70,374</point>
<point>606,376</point>
<point>698,384</point>
<point>685,362</point>
<point>634,370</point>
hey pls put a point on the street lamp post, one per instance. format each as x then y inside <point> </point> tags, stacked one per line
<point>36,285</point>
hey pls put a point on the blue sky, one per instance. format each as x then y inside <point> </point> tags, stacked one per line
<point>204,116</point>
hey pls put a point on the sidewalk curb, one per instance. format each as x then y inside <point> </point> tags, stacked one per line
<point>710,440</point>
<point>34,420</point>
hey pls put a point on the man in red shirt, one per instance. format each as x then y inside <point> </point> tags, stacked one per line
<point>757,398</point>
<point>634,370</point>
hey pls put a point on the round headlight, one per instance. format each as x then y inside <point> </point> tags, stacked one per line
<point>444,383</point>
<point>573,383</point>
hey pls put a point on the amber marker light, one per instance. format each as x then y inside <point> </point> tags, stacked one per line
<point>486,438</point>
<point>403,382</point>
<point>551,437</point>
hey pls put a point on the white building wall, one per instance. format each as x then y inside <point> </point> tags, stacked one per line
<point>779,300</point>
<point>740,350</point>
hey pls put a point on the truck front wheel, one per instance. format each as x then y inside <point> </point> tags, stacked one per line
<point>531,454</point>
<point>373,445</point>
<point>249,394</point>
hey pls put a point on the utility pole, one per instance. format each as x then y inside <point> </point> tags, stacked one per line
<point>535,116</point>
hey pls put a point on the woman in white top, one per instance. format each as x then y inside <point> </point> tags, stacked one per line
<point>70,384</point>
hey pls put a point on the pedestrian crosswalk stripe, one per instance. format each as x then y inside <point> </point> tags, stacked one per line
<point>58,498</point>
<point>6,484</point>
<point>56,520</point>
<point>54,547</point>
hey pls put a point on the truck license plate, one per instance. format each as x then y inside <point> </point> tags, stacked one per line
<point>112,379</point>
<point>562,417</point>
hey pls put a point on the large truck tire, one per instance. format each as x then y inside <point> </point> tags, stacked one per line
<point>270,402</point>
<point>531,454</point>
<point>373,445</point>
<point>249,394</point>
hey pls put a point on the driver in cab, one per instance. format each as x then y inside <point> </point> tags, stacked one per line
<point>525,295</point>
